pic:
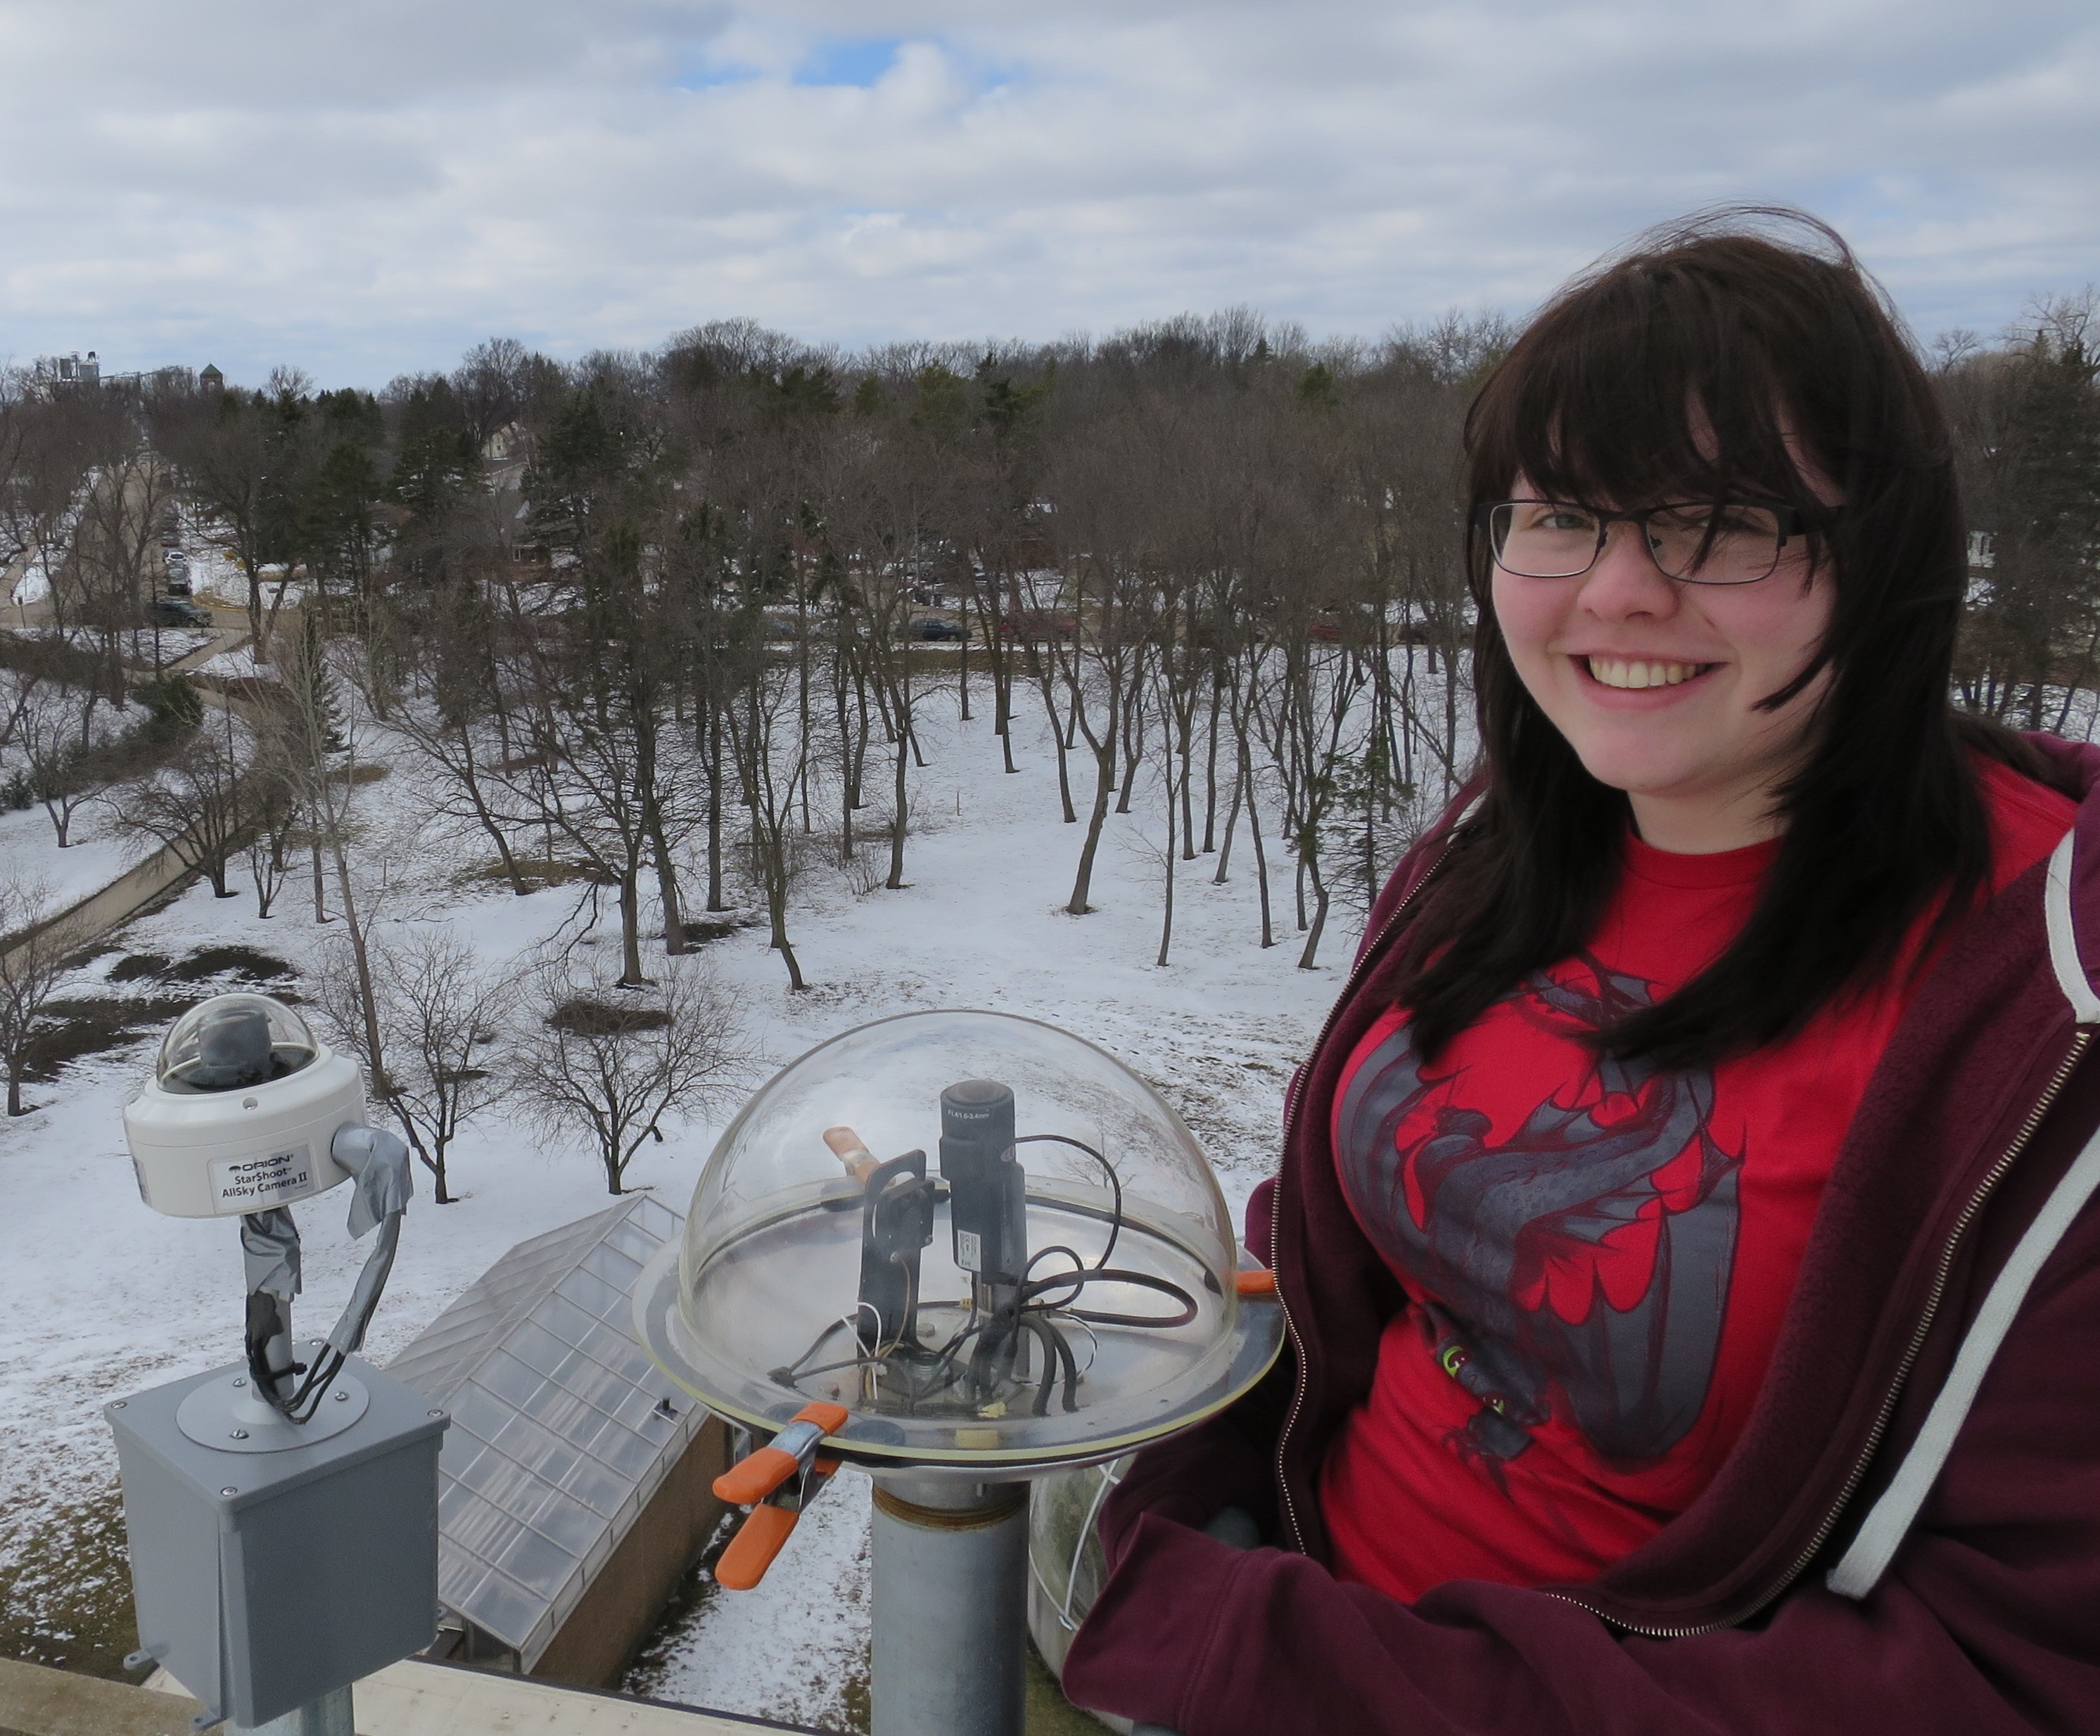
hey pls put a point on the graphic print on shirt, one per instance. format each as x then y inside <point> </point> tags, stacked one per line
<point>1580,1262</point>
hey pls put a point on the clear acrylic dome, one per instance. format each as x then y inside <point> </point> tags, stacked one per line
<point>991,1242</point>
<point>232,1042</point>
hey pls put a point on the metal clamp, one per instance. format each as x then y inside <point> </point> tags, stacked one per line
<point>776,1482</point>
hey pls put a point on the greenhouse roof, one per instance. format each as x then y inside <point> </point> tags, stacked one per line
<point>562,1428</point>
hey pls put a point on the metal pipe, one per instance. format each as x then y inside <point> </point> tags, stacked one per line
<point>949,1572</point>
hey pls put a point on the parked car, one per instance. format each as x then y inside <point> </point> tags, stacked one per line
<point>178,581</point>
<point>177,611</point>
<point>932,627</point>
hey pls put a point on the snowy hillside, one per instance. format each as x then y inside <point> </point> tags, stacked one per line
<point>101,1296</point>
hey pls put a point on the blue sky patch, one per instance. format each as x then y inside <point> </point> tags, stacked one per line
<point>848,60</point>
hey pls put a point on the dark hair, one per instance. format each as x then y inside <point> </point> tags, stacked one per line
<point>1698,363</point>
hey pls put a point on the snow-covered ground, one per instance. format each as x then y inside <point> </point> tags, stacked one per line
<point>33,582</point>
<point>216,576</point>
<point>101,1296</point>
<point>94,855</point>
<point>236,665</point>
<point>30,856</point>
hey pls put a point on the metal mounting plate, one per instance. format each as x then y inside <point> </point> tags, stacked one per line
<point>226,1414</point>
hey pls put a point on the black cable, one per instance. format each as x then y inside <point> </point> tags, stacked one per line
<point>790,1373</point>
<point>1039,1329</point>
<point>1057,1355</point>
<point>861,1361</point>
<point>1143,1281</point>
<point>1079,1265</point>
<point>264,1321</point>
<point>306,1398</point>
<point>1115,1182</point>
<point>1071,1370</point>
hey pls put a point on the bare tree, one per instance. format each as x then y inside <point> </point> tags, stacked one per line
<point>69,763</point>
<point>602,667</point>
<point>494,384</point>
<point>244,462</point>
<point>607,1065</point>
<point>771,755</point>
<point>31,964</point>
<point>306,729</point>
<point>60,439</point>
<point>443,1013</point>
<point>196,805</point>
<point>115,555</point>
<point>271,809</point>
<point>461,766</point>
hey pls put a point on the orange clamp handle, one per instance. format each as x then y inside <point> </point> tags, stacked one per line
<point>750,1479</point>
<point>756,1475</point>
<point>751,1550</point>
<point>1260,1281</point>
<point>852,1151</point>
<point>829,1418</point>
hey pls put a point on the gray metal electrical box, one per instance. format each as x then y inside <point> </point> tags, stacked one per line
<point>266,1576</point>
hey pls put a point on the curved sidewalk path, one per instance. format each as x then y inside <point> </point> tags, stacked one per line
<point>87,919</point>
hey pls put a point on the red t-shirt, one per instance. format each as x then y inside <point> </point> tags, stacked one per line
<point>1596,1254</point>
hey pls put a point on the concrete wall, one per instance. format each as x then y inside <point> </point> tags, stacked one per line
<point>94,915</point>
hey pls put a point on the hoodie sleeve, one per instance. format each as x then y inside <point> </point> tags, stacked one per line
<point>1986,1624</point>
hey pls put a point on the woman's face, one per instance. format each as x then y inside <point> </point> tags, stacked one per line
<point>1655,683</point>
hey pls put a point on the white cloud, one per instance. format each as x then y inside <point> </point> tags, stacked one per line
<point>369,187</point>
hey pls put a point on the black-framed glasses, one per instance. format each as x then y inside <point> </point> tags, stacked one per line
<point>1701,542</point>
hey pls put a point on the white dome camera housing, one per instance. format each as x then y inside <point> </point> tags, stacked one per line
<point>243,1105</point>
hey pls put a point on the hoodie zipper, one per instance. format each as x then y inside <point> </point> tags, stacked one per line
<point>2080,1042</point>
<point>1290,1115</point>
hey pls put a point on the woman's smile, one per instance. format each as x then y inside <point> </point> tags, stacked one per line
<point>1633,674</point>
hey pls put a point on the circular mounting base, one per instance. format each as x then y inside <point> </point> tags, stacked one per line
<point>227,1415</point>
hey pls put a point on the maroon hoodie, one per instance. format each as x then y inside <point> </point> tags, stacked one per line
<point>1987,1620</point>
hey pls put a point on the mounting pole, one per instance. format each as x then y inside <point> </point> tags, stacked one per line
<point>950,1606</point>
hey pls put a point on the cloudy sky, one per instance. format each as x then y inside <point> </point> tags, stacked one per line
<point>365,187</point>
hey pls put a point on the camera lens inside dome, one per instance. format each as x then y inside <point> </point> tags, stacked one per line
<point>234,1042</point>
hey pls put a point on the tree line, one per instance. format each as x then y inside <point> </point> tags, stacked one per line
<point>670,620</point>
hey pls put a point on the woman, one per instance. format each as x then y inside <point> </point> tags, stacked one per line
<point>1693,1323</point>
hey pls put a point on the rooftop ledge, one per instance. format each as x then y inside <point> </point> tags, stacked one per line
<point>410,1699</point>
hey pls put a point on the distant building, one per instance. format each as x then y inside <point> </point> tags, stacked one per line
<point>509,442</point>
<point>78,370</point>
<point>211,380</point>
<point>71,370</point>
